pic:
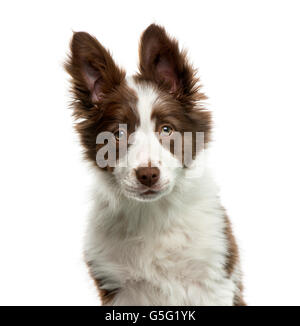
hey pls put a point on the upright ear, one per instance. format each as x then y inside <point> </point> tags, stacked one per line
<point>162,62</point>
<point>92,68</point>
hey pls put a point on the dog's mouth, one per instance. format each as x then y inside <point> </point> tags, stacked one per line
<point>146,194</point>
<point>149,192</point>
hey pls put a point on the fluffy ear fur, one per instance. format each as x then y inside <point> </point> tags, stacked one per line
<point>162,62</point>
<point>92,68</point>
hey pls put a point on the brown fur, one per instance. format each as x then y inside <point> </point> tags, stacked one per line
<point>105,296</point>
<point>104,103</point>
<point>233,254</point>
<point>238,299</point>
<point>162,62</point>
<point>232,259</point>
<point>170,112</point>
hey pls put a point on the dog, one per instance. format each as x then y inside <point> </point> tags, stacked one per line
<point>157,232</point>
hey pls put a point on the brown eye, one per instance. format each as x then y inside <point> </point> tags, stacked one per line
<point>120,134</point>
<point>166,131</point>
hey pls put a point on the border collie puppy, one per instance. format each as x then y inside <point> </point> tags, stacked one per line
<point>157,232</point>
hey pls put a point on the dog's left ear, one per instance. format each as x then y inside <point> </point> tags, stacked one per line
<point>92,68</point>
<point>161,61</point>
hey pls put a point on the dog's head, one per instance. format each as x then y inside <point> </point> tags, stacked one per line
<point>140,128</point>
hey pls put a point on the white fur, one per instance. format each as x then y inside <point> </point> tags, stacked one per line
<point>170,250</point>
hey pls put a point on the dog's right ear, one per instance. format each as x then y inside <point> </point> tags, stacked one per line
<point>93,71</point>
<point>162,62</point>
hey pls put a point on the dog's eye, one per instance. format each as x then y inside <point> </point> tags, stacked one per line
<point>120,134</point>
<point>166,131</point>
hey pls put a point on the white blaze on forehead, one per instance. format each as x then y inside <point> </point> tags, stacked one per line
<point>146,145</point>
<point>147,97</point>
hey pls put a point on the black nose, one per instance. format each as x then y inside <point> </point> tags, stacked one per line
<point>148,176</point>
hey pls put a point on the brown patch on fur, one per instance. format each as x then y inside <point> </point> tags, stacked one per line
<point>232,260</point>
<point>238,299</point>
<point>102,99</point>
<point>168,111</point>
<point>232,250</point>
<point>118,108</point>
<point>105,296</point>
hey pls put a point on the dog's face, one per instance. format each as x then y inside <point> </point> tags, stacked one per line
<point>137,125</point>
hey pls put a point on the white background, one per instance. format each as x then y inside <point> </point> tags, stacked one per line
<point>248,55</point>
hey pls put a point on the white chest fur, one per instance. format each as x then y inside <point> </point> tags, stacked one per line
<point>167,253</point>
